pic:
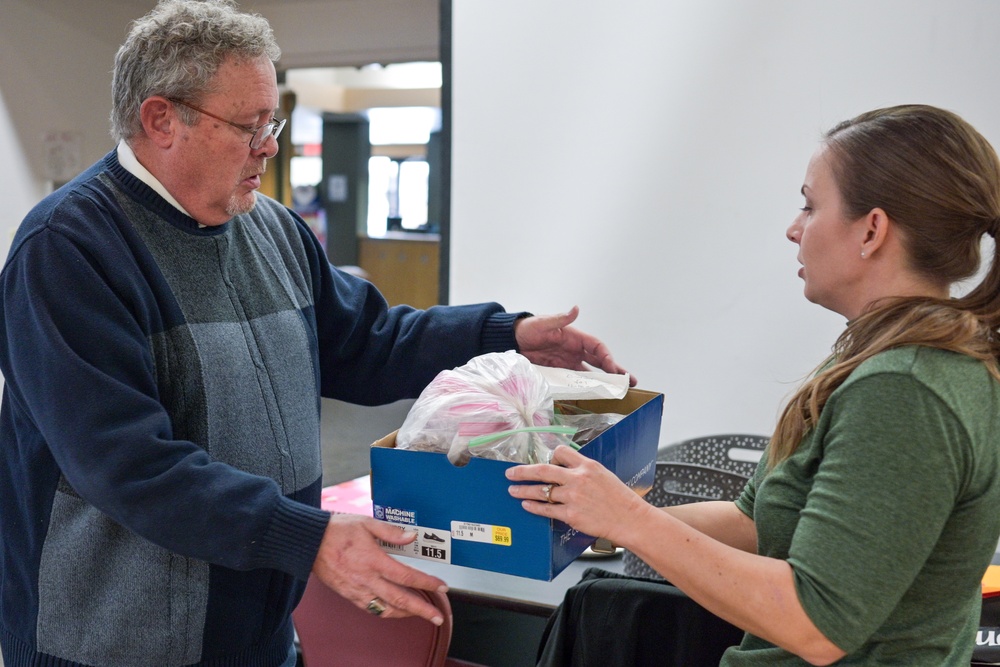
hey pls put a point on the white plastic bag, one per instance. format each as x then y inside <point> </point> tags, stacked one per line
<point>468,410</point>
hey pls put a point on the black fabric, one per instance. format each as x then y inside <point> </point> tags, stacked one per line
<point>987,650</point>
<point>612,620</point>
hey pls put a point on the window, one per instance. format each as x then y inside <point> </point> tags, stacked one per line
<point>397,194</point>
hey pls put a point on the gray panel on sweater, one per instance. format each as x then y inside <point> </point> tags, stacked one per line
<point>264,413</point>
<point>88,559</point>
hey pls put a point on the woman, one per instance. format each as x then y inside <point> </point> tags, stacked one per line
<point>866,530</point>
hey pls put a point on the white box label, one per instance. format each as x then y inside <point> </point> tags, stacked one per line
<point>431,544</point>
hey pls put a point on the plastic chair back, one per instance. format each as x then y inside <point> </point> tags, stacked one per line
<point>678,483</point>
<point>734,452</point>
<point>334,633</point>
<point>714,467</point>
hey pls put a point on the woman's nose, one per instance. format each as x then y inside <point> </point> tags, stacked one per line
<point>794,231</point>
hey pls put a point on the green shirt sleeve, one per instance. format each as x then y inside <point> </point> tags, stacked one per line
<point>891,458</point>
<point>745,501</point>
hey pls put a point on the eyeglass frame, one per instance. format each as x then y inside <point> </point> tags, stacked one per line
<point>276,125</point>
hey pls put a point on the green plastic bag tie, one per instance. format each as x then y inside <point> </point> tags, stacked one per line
<point>493,437</point>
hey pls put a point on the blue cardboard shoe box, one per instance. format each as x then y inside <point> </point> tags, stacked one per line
<point>465,516</point>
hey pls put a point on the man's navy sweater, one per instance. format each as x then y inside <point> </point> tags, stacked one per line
<point>159,435</point>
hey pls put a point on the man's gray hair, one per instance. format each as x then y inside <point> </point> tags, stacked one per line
<point>176,49</point>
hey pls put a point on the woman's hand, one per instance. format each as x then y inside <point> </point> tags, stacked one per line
<point>582,493</point>
<point>755,593</point>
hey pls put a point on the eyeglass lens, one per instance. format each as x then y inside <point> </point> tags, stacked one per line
<point>265,131</point>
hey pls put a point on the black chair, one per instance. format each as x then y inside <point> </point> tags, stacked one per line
<point>714,467</point>
<point>734,452</point>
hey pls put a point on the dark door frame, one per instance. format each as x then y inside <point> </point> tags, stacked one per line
<point>445,158</point>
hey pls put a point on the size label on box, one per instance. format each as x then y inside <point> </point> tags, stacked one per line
<point>431,544</point>
<point>481,532</point>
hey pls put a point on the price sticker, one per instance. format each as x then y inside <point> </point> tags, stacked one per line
<point>481,532</point>
<point>501,535</point>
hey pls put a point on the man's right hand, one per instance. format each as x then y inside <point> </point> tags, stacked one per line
<point>351,562</point>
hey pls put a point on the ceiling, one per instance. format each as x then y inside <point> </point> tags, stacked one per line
<point>351,89</point>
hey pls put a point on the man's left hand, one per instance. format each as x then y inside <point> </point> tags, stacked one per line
<point>549,340</point>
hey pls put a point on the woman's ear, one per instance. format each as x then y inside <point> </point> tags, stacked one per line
<point>876,231</point>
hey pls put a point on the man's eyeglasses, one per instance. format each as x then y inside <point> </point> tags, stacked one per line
<point>260,133</point>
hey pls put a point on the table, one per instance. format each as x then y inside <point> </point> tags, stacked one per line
<point>500,610</point>
<point>510,593</point>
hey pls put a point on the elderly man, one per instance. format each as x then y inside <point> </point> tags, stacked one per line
<point>167,336</point>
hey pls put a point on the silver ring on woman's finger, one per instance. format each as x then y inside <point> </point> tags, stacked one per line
<point>547,489</point>
<point>376,607</point>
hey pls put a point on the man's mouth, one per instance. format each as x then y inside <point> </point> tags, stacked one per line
<point>252,179</point>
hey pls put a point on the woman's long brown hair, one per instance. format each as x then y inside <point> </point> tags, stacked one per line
<point>938,180</point>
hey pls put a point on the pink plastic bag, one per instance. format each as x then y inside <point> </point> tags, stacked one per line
<point>490,395</point>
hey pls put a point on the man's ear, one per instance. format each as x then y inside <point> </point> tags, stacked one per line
<point>159,120</point>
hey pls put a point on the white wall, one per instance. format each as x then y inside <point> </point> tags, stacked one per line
<point>643,160</point>
<point>18,190</point>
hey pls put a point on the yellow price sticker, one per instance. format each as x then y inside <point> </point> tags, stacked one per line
<point>501,536</point>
